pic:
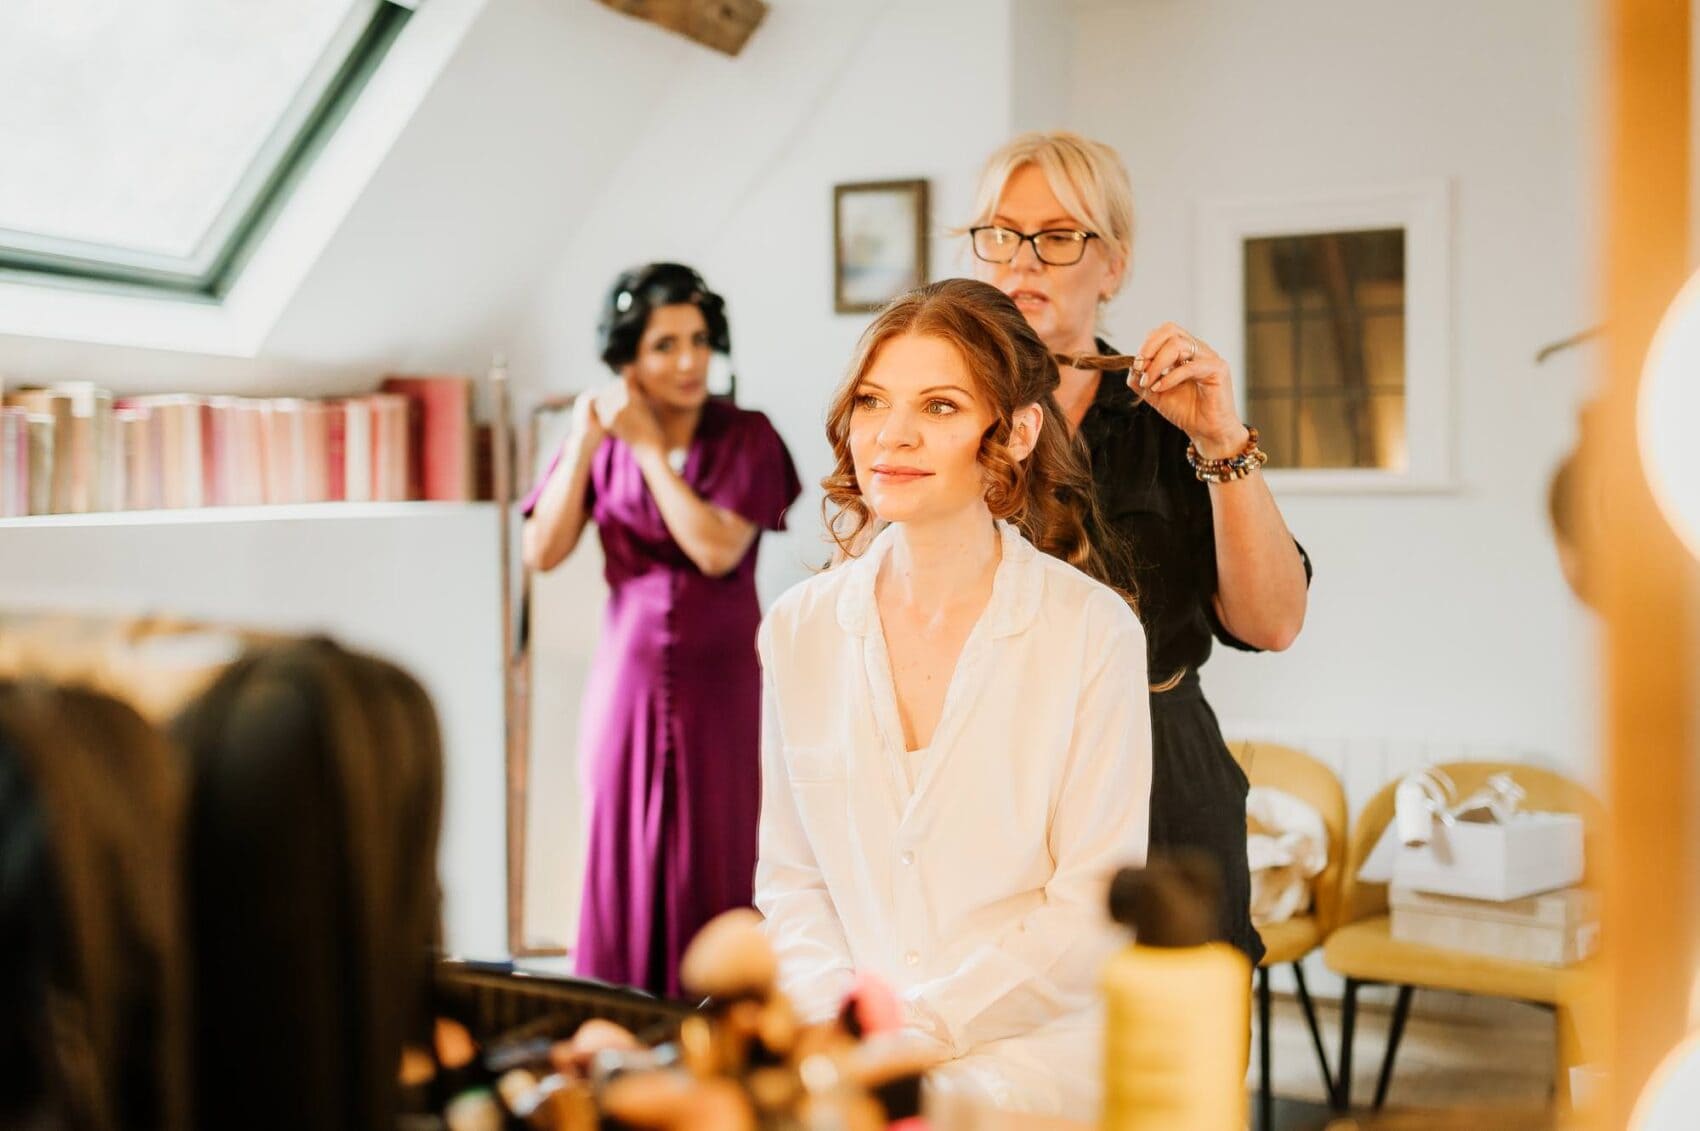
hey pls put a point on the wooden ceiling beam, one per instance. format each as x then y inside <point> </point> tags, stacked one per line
<point>725,25</point>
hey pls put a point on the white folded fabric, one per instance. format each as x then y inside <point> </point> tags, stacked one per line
<point>1286,845</point>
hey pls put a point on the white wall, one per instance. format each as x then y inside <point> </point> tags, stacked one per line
<point>1041,43</point>
<point>1436,620</point>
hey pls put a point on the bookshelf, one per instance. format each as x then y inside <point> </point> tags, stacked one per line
<point>269,512</point>
<point>72,447</point>
<point>417,582</point>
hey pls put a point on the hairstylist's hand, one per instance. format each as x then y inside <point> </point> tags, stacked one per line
<point>625,412</point>
<point>1188,382</point>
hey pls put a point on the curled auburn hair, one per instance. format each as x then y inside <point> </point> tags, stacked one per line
<point>1049,495</point>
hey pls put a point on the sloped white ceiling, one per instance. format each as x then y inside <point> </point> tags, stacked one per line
<point>484,187</point>
<point>450,187</point>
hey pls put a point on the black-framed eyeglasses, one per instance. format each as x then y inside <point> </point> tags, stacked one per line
<point>1059,247</point>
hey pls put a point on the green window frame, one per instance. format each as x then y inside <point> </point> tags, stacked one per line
<point>319,105</point>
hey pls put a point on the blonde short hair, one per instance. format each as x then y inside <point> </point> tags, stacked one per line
<point>1087,176</point>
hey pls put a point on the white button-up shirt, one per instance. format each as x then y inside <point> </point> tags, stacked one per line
<point>978,893</point>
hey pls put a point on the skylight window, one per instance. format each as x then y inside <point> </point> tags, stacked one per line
<point>148,143</point>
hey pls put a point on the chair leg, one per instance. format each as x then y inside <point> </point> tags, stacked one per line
<point>1315,1029</point>
<point>1348,1029</point>
<point>1401,1010</point>
<point>1569,1054</point>
<point>1265,1090</point>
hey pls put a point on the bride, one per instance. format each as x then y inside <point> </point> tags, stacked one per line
<point>956,744</point>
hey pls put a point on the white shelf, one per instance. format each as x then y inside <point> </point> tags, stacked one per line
<point>280,512</point>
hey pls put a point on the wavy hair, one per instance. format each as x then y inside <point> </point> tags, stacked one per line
<point>1049,495</point>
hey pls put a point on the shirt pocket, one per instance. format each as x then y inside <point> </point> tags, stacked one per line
<point>820,790</point>
<point>815,765</point>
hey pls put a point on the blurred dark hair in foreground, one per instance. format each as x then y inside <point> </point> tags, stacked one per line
<point>229,922</point>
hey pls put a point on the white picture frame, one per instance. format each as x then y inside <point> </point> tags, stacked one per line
<point>1423,210</point>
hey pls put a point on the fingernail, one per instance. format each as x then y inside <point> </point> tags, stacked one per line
<point>1143,378</point>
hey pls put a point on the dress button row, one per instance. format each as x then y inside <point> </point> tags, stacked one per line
<point>912,959</point>
<point>908,858</point>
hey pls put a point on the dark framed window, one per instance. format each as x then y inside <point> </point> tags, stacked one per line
<point>1325,327</point>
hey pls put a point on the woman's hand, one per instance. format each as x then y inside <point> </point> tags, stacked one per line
<point>585,421</point>
<point>1188,382</point>
<point>625,412</point>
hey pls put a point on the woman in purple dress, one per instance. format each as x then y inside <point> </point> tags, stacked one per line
<point>680,486</point>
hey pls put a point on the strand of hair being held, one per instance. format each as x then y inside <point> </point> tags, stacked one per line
<point>1103,363</point>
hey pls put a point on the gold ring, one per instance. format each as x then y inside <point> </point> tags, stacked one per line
<point>1192,350</point>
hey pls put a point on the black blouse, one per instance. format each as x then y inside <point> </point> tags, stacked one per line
<point>1150,496</point>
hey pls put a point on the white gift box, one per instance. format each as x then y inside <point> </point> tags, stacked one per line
<point>1528,854</point>
<point>1554,929</point>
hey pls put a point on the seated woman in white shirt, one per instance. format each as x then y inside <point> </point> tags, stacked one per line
<point>956,744</point>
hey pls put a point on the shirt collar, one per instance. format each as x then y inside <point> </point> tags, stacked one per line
<point>1016,588</point>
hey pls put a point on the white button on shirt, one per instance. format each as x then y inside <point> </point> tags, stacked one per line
<point>989,917</point>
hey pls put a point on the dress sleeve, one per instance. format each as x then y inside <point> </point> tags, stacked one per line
<point>760,480</point>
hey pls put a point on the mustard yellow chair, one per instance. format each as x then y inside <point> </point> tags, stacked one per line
<point>1363,950</point>
<point>1287,943</point>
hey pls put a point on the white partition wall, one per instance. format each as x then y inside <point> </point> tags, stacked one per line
<point>416,583</point>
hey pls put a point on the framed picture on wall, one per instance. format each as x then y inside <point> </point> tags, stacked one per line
<point>1333,312</point>
<point>879,241</point>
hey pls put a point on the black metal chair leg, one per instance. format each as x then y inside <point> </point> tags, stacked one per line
<point>1266,1085</point>
<point>1315,1029</point>
<point>1348,1029</point>
<point>1401,1010</point>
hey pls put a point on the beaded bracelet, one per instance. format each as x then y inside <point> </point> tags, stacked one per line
<point>1249,459</point>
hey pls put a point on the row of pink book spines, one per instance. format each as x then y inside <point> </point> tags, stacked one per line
<point>269,473</point>
<point>380,401</point>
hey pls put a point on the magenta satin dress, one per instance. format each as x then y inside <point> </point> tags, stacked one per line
<point>669,737</point>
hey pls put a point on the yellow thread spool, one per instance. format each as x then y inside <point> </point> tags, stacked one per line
<point>1177,1016</point>
<point>1177,1030</point>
